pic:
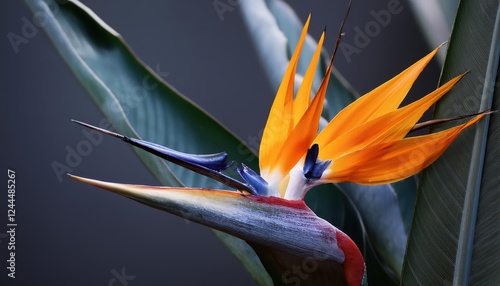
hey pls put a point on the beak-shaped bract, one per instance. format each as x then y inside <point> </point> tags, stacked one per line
<point>279,230</point>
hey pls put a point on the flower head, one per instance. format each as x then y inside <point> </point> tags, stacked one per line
<point>366,143</point>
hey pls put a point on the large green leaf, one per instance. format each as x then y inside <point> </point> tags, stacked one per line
<point>435,19</point>
<point>339,93</point>
<point>140,104</point>
<point>275,29</point>
<point>406,191</point>
<point>379,210</point>
<point>455,234</point>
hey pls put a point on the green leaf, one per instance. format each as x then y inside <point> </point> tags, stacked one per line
<point>377,271</point>
<point>435,26</point>
<point>275,29</point>
<point>406,191</point>
<point>456,228</point>
<point>337,205</point>
<point>139,104</point>
<point>379,209</point>
<point>328,202</point>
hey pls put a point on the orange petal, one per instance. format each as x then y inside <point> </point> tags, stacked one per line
<point>393,161</point>
<point>280,121</point>
<point>375,103</point>
<point>391,126</point>
<point>303,97</point>
<point>302,136</point>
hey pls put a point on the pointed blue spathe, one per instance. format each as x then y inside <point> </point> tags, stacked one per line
<point>209,165</point>
<point>253,179</point>
<point>313,167</point>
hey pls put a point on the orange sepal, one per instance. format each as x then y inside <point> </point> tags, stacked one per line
<point>375,103</point>
<point>393,161</point>
<point>280,121</point>
<point>391,126</point>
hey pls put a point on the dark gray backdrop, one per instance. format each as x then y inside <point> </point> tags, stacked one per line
<point>72,234</point>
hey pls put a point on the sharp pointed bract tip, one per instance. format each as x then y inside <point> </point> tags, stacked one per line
<point>98,129</point>
<point>78,178</point>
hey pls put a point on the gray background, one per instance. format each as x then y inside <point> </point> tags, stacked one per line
<point>72,234</point>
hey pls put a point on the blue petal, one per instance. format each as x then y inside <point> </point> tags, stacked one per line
<point>311,157</point>
<point>207,165</point>
<point>313,167</point>
<point>215,161</point>
<point>318,169</point>
<point>254,180</point>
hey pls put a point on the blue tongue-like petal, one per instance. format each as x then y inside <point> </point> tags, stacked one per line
<point>209,165</point>
<point>313,167</point>
<point>215,161</point>
<point>254,180</point>
<point>311,157</point>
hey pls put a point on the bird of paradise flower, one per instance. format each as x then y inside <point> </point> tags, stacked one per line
<point>366,143</point>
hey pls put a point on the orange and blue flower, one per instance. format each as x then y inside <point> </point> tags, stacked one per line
<point>366,143</point>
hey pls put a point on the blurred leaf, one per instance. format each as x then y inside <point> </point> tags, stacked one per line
<point>328,202</point>
<point>344,215</point>
<point>141,105</point>
<point>377,271</point>
<point>379,209</point>
<point>435,19</point>
<point>406,191</point>
<point>455,233</point>
<point>275,29</point>
<point>339,93</point>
